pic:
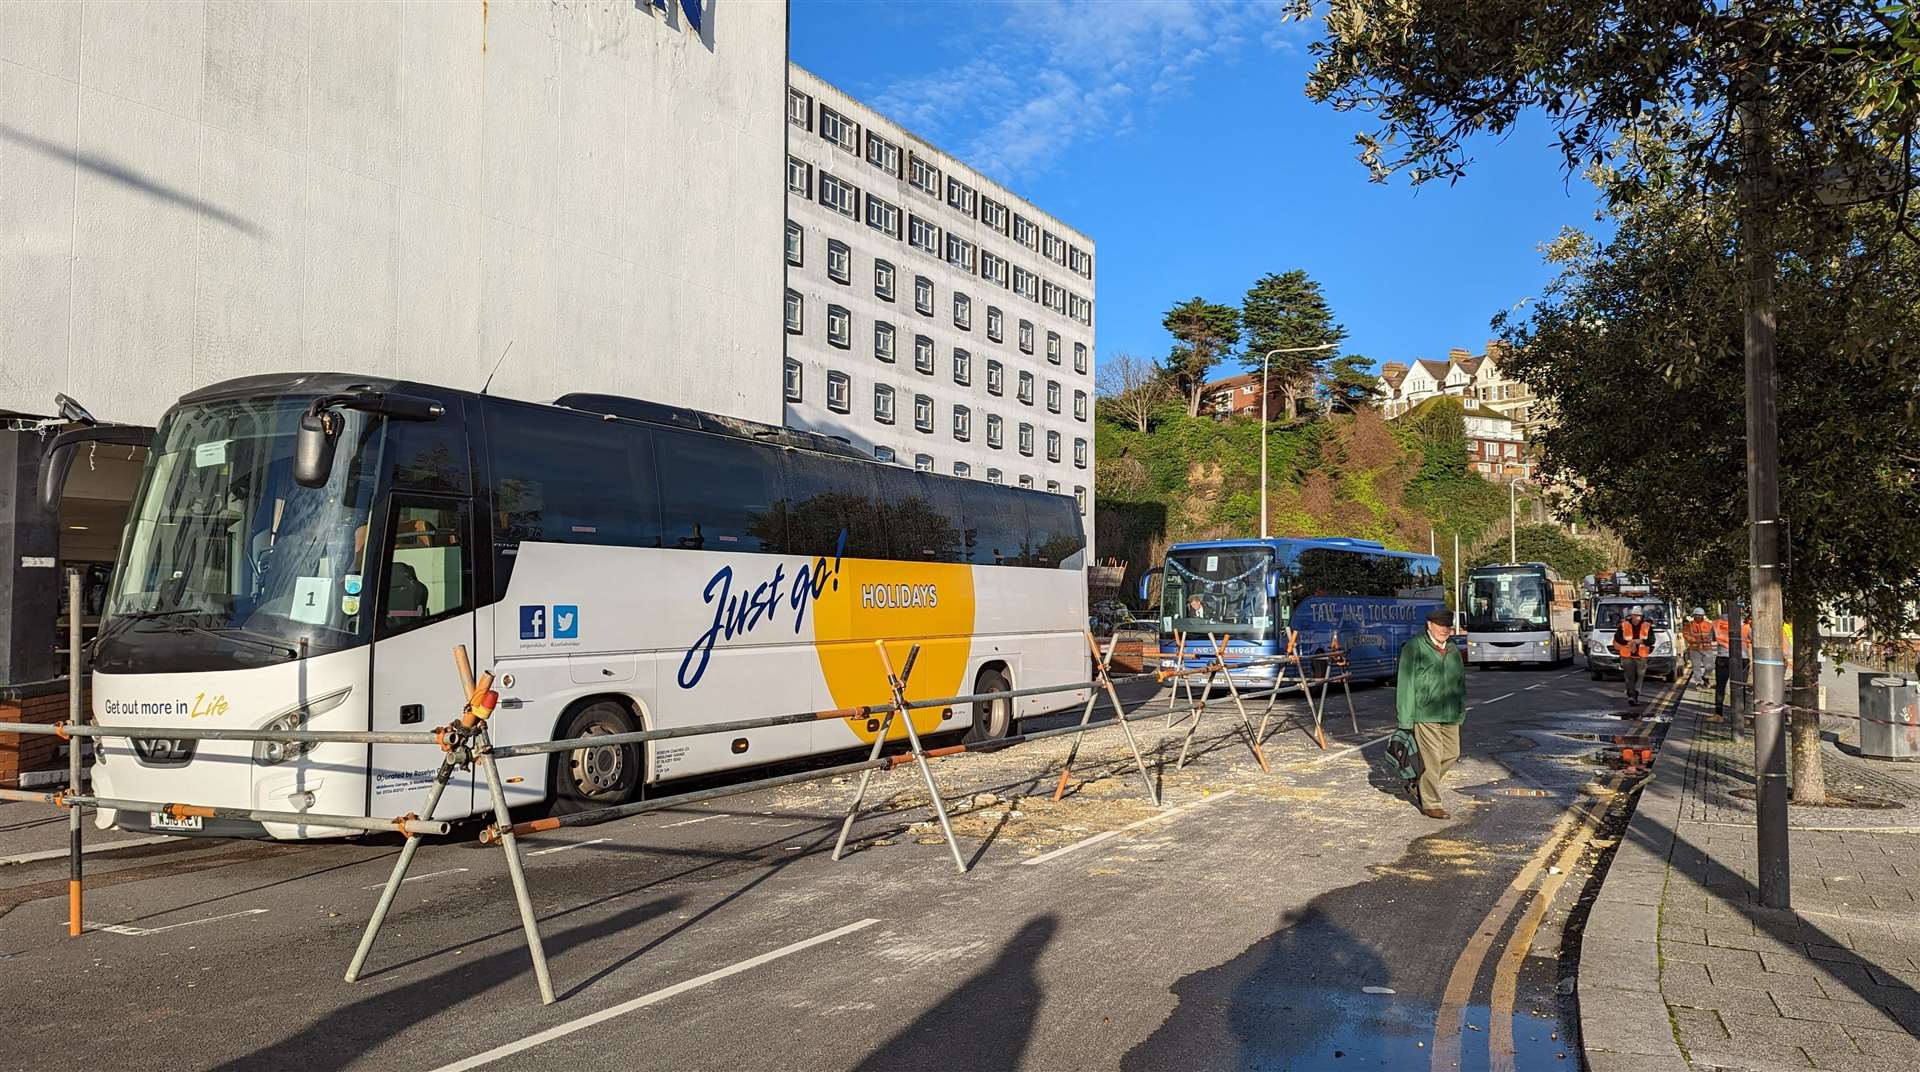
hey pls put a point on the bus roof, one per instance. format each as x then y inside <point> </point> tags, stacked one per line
<point>1299,543</point>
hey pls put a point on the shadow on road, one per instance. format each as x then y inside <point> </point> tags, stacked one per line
<point>985,1023</point>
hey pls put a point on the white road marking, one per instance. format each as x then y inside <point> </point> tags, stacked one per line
<point>690,822</point>
<point>1496,699</point>
<point>590,1020</point>
<point>1538,685</point>
<point>1351,749</point>
<point>105,846</point>
<point>1105,834</point>
<point>141,932</point>
<point>417,878</point>
<point>568,845</point>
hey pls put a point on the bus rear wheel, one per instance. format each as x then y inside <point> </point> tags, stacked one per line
<point>597,776</point>
<point>992,719</point>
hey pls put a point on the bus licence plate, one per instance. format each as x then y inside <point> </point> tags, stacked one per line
<point>160,820</point>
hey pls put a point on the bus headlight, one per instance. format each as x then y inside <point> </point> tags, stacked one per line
<point>271,753</point>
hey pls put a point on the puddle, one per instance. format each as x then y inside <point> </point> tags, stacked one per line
<point>1522,793</point>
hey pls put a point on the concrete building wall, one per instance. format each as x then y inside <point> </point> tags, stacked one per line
<point>817,357</point>
<point>194,191</point>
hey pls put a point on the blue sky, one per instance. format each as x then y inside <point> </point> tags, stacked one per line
<point>1177,135</point>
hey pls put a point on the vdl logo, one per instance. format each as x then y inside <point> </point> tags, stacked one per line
<point>534,620</point>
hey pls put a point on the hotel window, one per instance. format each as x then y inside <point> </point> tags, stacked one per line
<point>959,252</point>
<point>1079,454</point>
<point>923,235</point>
<point>799,177</point>
<point>1051,245</point>
<point>996,431</point>
<point>839,262</point>
<point>840,130</point>
<point>923,355</point>
<point>1079,405</point>
<point>1026,336</point>
<point>960,196</point>
<point>839,196</point>
<point>1080,498</point>
<point>1026,284</point>
<point>923,295</point>
<point>923,413</point>
<point>883,216</point>
<point>996,325</point>
<point>793,380</point>
<point>962,423</point>
<point>922,176</point>
<point>996,377</point>
<point>883,280</point>
<point>994,477</point>
<point>923,462</point>
<point>1053,347</point>
<point>799,109</point>
<point>1080,261</point>
<point>839,392</point>
<point>1026,480</point>
<point>962,469</point>
<point>796,313</point>
<point>1053,446</point>
<point>1053,297</point>
<point>883,406</point>
<point>1025,233</point>
<point>993,214</point>
<point>796,244</point>
<point>962,367</point>
<point>1026,440</point>
<point>1080,309</point>
<point>883,454</point>
<point>993,267</point>
<point>1080,357</point>
<point>883,154</point>
<point>962,312</point>
<point>1025,392</point>
<point>839,327</point>
<point>1053,487</point>
<point>883,341</point>
<point>1053,396</point>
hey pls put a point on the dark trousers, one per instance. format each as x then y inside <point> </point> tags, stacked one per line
<point>1633,672</point>
<point>1720,671</point>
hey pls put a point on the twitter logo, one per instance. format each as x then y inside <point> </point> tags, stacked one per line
<point>566,622</point>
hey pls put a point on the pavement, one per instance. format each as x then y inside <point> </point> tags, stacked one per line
<point>1680,966</point>
<point>1302,918</point>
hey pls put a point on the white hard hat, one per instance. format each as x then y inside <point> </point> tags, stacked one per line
<point>1636,610</point>
<point>1699,612</point>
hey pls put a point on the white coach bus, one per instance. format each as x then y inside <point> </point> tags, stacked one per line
<point>306,551</point>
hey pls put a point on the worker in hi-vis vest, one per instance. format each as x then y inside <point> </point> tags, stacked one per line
<point>1633,642</point>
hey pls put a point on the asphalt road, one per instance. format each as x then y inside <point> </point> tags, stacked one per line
<point>1299,919</point>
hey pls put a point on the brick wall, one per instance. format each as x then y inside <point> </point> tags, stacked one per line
<point>44,704</point>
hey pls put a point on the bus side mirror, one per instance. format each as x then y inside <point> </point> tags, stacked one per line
<point>1273,586</point>
<point>1578,617</point>
<point>59,457</point>
<point>313,448</point>
<point>1145,579</point>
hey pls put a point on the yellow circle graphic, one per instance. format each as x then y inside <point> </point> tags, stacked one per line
<point>901,603</point>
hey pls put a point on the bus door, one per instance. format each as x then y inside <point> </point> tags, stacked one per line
<point>424,609</point>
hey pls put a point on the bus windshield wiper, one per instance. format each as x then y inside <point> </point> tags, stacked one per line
<point>122,622</point>
<point>236,635</point>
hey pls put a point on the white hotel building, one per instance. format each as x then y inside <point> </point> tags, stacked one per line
<point>932,317</point>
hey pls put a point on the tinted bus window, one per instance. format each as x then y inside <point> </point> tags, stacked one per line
<point>826,496</point>
<point>718,494</point>
<point>561,478</point>
<point>922,516</point>
<point>1053,530</point>
<point>993,524</point>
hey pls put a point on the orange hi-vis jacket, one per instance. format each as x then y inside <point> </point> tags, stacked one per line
<point>1721,630</point>
<point>1631,643</point>
<point>1699,634</point>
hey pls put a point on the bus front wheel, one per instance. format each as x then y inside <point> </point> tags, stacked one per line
<point>597,776</point>
<point>992,719</point>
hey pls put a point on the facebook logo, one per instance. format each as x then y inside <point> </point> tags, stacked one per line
<point>566,622</point>
<point>533,622</point>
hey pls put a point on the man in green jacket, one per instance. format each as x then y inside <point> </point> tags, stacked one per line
<point>1432,702</point>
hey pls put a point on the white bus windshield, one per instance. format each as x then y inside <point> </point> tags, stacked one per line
<point>221,540</point>
<point>1508,601</point>
<point>1218,591</point>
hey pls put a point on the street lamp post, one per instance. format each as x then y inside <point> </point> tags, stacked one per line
<point>1266,363</point>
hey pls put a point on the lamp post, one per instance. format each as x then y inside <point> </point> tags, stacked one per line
<point>1266,363</point>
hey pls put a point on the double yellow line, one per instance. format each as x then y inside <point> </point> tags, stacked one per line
<point>1571,835</point>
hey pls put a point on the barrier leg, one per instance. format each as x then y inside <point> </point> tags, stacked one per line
<point>1179,663</point>
<point>527,921</point>
<point>860,795</point>
<point>1093,696</point>
<point>399,875</point>
<point>899,686</point>
<point>1246,724</point>
<point>1198,710</point>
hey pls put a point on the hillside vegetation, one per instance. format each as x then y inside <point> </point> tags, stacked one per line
<point>1357,474</point>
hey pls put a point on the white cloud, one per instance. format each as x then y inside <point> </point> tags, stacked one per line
<point>1046,74</point>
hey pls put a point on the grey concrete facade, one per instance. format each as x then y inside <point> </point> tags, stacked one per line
<point>839,236</point>
<point>194,191</point>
